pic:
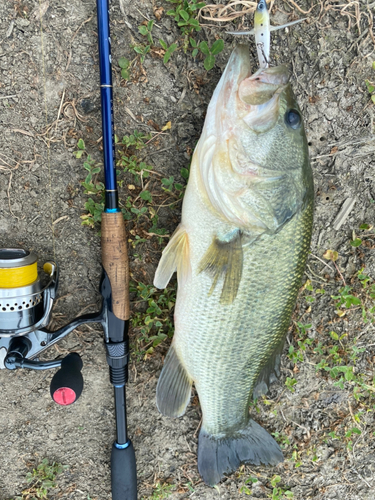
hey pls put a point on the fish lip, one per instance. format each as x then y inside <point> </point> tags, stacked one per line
<point>276,75</point>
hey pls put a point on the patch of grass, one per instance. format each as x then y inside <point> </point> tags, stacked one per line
<point>371,87</point>
<point>146,29</point>
<point>209,52</point>
<point>279,493</point>
<point>185,14</point>
<point>154,323</point>
<point>168,50</point>
<point>41,480</point>
<point>290,383</point>
<point>337,355</point>
<point>135,140</point>
<point>161,491</point>
<point>249,482</point>
<point>124,65</point>
<point>92,186</point>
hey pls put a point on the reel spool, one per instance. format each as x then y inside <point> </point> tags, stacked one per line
<point>22,301</point>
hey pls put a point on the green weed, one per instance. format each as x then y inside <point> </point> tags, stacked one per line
<point>124,65</point>
<point>245,488</point>
<point>135,140</point>
<point>145,30</point>
<point>155,323</point>
<point>371,87</point>
<point>168,50</point>
<point>41,480</point>
<point>282,439</point>
<point>290,383</point>
<point>169,184</point>
<point>279,493</point>
<point>81,148</point>
<point>161,491</point>
<point>294,354</point>
<point>185,14</point>
<point>209,52</point>
<point>136,167</point>
<point>92,187</point>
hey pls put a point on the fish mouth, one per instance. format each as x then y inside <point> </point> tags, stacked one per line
<point>253,98</point>
<point>263,85</point>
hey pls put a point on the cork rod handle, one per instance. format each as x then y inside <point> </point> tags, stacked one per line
<point>115,262</point>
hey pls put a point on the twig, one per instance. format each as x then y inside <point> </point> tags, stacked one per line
<point>61,104</point>
<point>316,275</point>
<point>197,429</point>
<point>338,270</point>
<point>9,186</point>
<point>147,18</point>
<point>72,40</point>
<point>322,261</point>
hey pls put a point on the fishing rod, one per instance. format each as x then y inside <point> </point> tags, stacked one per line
<point>116,268</point>
<point>26,299</point>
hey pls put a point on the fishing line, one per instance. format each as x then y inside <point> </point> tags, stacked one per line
<point>47,134</point>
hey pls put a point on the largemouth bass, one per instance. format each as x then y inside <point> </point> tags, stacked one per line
<point>240,253</point>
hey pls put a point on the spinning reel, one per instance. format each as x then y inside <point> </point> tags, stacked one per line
<point>26,302</point>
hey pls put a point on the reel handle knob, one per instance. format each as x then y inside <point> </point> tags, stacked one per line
<point>67,384</point>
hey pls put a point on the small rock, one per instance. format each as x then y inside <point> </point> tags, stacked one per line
<point>88,106</point>
<point>22,23</point>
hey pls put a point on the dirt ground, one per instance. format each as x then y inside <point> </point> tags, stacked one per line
<point>49,99</point>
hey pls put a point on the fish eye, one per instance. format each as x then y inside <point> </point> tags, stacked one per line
<point>293,119</point>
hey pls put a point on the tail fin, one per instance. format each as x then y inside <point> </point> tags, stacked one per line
<point>251,445</point>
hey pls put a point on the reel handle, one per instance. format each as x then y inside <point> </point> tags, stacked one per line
<point>124,472</point>
<point>67,384</point>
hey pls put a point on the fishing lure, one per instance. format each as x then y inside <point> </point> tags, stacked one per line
<point>262,31</point>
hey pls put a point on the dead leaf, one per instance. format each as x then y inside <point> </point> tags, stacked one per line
<point>157,52</point>
<point>153,125</point>
<point>340,313</point>
<point>158,12</point>
<point>167,126</point>
<point>331,255</point>
<point>40,10</point>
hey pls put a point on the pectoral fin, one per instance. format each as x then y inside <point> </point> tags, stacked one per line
<point>224,258</point>
<point>175,257</point>
<point>174,386</point>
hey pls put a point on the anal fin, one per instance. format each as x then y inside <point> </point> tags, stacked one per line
<point>175,256</point>
<point>174,386</point>
<point>269,373</point>
<point>224,258</point>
